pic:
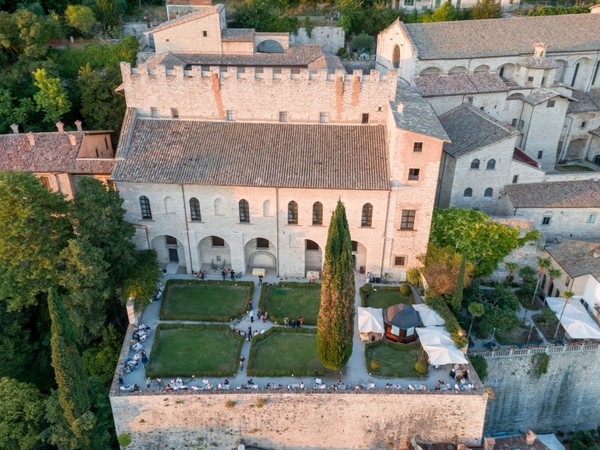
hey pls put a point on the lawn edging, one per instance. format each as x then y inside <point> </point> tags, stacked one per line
<point>265,294</point>
<point>175,326</point>
<point>208,318</point>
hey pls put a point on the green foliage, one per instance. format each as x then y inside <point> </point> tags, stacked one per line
<point>308,25</point>
<point>511,267</point>
<point>34,32</point>
<point>558,10</point>
<point>140,282</point>
<point>125,439</point>
<point>264,15</point>
<point>583,440</point>
<point>457,294</point>
<point>487,9</point>
<point>439,305</point>
<point>445,13</point>
<point>358,17</point>
<point>107,12</point>
<point>413,276</point>
<point>100,359</point>
<point>527,274</point>
<point>547,316</point>
<point>441,267</point>
<point>500,306</point>
<point>471,233</point>
<point>21,416</point>
<point>421,366</point>
<point>363,43</point>
<point>51,97</point>
<point>81,18</point>
<point>335,324</point>
<point>405,289</point>
<point>540,364</point>
<point>365,291</point>
<point>480,365</point>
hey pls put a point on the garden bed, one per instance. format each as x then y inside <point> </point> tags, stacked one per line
<point>201,350</point>
<point>291,300</point>
<point>518,336</point>
<point>388,360</point>
<point>547,325</point>
<point>207,301</point>
<point>386,296</point>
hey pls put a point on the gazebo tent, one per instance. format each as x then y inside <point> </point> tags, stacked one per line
<point>400,323</point>
<point>428,316</point>
<point>575,319</point>
<point>370,324</point>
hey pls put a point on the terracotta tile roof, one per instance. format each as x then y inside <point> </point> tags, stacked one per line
<point>459,84</point>
<point>576,257</point>
<point>542,95</point>
<point>470,129</point>
<point>560,194</point>
<point>203,12</point>
<point>411,112</point>
<point>254,154</point>
<point>505,37</point>
<point>520,156</point>
<point>238,34</point>
<point>586,101</point>
<point>52,152</point>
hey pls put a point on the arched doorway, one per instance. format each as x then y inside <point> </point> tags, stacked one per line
<point>359,256</point>
<point>575,149</point>
<point>396,57</point>
<point>169,251</point>
<point>313,257</point>
<point>214,254</point>
<point>260,253</point>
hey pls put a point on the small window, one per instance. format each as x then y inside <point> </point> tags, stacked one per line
<point>354,246</point>
<point>292,213</point>
<point>154,112</point>
<point>218,242</point>
<point>365,118</point>
<point>515,179</point>
<point>583,124</point>
<point>174,113</point>
<point>540,154</point>
<point>418,147</point>
<point>311,245</point>
<point>244,209</point>
<point>468,193</point>
<point>546,220</point>
<point>491,165</point>
<point>262,243</point>
<point>413,174</point>
<point>514,122</point>
<point>529,79</point>
<point>204,33</point>
<point>317,213</point>
<point>195,210</point>
<point>591,218</point>
<point>145,208</point>
<point>400,261</point>
<point>323,117</point>
<point>230,115</point>
<point>475,164</point>
<point>408,219</point>
<point>366,219</point>
<point>282,116</point>
<point>550,103</point>
<point>170,240</point>
<point>489,192</point>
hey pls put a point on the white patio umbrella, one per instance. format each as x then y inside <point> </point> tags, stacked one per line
<point>574,318</point>
<point>439,356</point>
<point>370,320</point>
<point>434,336</point>
<point>550,441</point>
<point>428,316</point>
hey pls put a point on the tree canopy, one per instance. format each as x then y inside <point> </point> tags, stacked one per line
<point>487,9</point>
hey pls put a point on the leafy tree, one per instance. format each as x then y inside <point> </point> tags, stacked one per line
<point>476,310</point>
<point>568,295</point>
<point>100,360</point>
<point>511,267</point>
<point>473,234</point>
<point>543,265</point>
<point>363,42</point>
<point>51,97</point>
<point>81,18</point>
<point>553,274</point>
<point>141,279</point>
<point>441,266</point>
<point>16,349</point>
<point>107,12</point>
<point>264,15</point>
<point>35,229</point>
<point>486,9</point>
<point>582,440</point>
<point>21,415</point>
<point>527,274</point>
<point>335,324</point>
<point>500,306</point>
<point>445,13</point>
<point>459,287</point>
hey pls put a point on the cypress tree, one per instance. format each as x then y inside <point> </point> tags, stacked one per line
<point>73,394</point>
<point>335,324</point>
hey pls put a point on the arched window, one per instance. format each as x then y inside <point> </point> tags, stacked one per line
<point>488,192</point>
<point>145,207</point>
<point>491,164</point>
<point>244,211</point>
<point>267,208</point>
<point>317,213</point>
<point>396,57</point>
<point>468,192</point>
<point>292,212</point>
<point>475,164</point>
<point>195,210</point>
<point>366,219</point>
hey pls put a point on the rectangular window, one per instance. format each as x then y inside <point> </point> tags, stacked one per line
<point>514,122</point>
<point>409,2</point>
<point>400,261</point>
<point>262,243</point>
<point>365,118</point>
<point>550,103</point>
<point>595,73</point>
<point>515,179</point>
<point>218,242</point>
<point>154,112</point>
<point>546,220</point>
<point>174,113</point>
<point>408,219</point>
<point>282,116</point>
<point>529,79</point>
<point>583,124</point>
<point>418,147</point>
<point>204,33</point>
<point>413,174</point>
<point>567,282</point>
<point>540,154</point>
<point>521,125</point>
<point>230,115</point>
<point>323,117</point>
<point>354,246</point>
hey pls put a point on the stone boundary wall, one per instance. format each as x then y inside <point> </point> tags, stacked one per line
<point>331,38</point>
<point>566,398</point>
<point>571,176</point>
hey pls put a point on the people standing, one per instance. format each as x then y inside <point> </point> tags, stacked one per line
<point>251,316</point>
<point>144,358</point>
<point>223,273</point>
<point>232,274</point>
<point>260,280</point>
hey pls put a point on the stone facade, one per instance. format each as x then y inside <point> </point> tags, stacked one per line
<point>331,38</point>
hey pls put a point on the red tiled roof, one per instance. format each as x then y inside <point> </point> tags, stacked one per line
<point>520,156</point>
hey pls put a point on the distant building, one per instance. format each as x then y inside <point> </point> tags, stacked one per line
<point>176,8</point>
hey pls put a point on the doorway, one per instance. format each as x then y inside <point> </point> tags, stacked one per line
<point>173,256</point>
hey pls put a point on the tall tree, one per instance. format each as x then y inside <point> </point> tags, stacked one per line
<point>445,13</point>
<point>487,9</point>
<point>457,295</point>
<point>335,324</point>
<point>81,18</point>
<point>51,97</point>
<point>543,265</point>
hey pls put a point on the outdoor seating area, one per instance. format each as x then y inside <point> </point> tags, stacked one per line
<point>574,318</point>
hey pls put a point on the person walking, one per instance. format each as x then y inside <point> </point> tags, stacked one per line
<point>260,279</point>
<point>144,358</point>
<point>251,316</point>
<point>242,359</point>
<point>223,273</point>
<point>232,274</point>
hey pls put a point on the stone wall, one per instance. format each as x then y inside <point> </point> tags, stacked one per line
<point>295,420</point>
<point>331,38</point>
<point>566,398</point>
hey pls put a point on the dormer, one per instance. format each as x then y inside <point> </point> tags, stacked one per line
<point>536,71</point>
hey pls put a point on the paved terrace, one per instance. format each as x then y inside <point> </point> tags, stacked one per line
<point>355,373</point>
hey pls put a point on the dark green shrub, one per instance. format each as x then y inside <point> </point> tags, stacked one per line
<point>124,439</point>
<point>540,363</point>
<point>583,440</point>
<point>480,365</point>
<point>413,276</point>
<point>421,366</point>
<point>405,289</point>
<point>365,291</point>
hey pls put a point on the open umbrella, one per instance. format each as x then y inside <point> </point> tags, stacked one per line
<point>574,318</point>
<point>370,320</point>
<point>439,356</point>
<point>434,336</point>
<point>428,316</point>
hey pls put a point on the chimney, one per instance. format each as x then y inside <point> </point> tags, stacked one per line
<point>60,127</point>
<point>78,125</point>
<point>530,438</point>
<point>489,443</point>
<point>73,139</point>
<point>31,138</point>
<point>15,128</point>
<point>539,50</point>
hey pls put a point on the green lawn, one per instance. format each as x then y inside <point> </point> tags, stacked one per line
<point>393,360</point>
<point>281,353</point>
<point>384,297</point>
<point>292,302</point>
<point>204,302</point>
<point>574,168</point>
<point>201,350</point>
